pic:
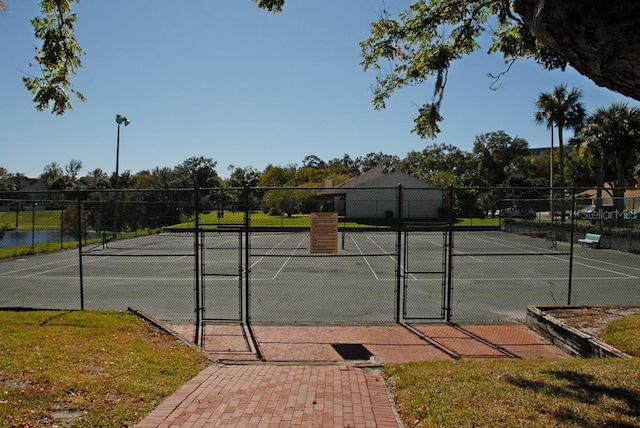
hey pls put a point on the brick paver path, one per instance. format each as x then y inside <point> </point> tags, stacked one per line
<point>267,395</point>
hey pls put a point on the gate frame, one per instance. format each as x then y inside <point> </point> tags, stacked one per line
<point>403,230</point>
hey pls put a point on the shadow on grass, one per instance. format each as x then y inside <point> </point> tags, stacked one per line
<point>586,389</point>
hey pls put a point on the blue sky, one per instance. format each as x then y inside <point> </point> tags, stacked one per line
<point>226,80</point>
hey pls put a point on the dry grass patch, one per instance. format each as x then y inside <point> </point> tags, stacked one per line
<point>86,369</point>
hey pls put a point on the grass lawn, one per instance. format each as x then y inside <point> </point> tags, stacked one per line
<point>110,369</point>
<point>86,369</point>
<point>524,393</point>
<point>44,219</point>
<point>518,393</point>
<point>259,219</point>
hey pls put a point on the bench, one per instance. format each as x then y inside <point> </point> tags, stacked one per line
<point>590,239</point>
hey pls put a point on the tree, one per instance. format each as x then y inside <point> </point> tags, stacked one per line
<point>429,36</point>
<point>5,179</point>
<point>197,172</point>
<point>615,131</point>
<point>98,179</point>
<point>58,57</point>
<point>371,160</point>
<point>243,178</point>
<point>72,168</point>
<point>313,161</point>
<point>277,176</point>
<point>599,39</point>
<point>564,110</point>
<point>592,148</point>
<point>494,153</point>
<point>440,165</point>
<point>344,166</point>
<point>53,176</point>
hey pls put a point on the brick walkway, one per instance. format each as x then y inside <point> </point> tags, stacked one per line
<point>277,396</point>
<point>305,382</point>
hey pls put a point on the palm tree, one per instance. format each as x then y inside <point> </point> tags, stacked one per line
<point>592,147</point>
<point>561,109</point>
<point>615,130</point>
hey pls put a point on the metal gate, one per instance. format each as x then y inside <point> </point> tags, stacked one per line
<point>426,291</point>
<point>269,278</point>
<point>221,279</point>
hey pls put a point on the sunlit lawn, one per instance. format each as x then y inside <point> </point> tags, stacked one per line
<point>525,393</point>
<point>110,369</point>
<point>44,220</point>
<point>86,369</point>
<point>260,219</point>
<point>518,393</point>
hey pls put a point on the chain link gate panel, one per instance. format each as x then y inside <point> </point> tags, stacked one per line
<point>291,286</point>
<point>425,291</point>
<point>222,274</point>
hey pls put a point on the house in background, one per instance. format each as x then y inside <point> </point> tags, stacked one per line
<point>372,195</point>
<point>631,197</point>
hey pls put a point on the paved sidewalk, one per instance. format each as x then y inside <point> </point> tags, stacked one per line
<point>277,396</point>
<point>305,382</point>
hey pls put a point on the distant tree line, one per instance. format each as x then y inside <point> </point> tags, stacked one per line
<point>603,153</point>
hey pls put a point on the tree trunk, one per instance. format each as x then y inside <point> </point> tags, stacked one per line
<point>599,39</point>
<point>599,181</point>
<point>618,191</point>
<point>561,159</point>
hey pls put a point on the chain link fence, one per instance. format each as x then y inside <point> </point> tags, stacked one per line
<point>346,256</point>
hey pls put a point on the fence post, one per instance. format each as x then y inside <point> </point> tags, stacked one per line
<point>33,227</point>
<point>399,301</point>
<point>247,258</point>
<point>79,234</point>
<point>573,226</point>
<point>62,225</point>
<point>196,262</point>
<point>451,221</point>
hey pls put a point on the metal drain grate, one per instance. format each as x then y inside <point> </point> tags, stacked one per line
<point>352,351</point>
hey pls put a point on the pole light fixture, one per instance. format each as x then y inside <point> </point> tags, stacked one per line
<point>119,120</point>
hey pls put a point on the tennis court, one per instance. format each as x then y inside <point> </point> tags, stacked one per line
<point>271,278</point>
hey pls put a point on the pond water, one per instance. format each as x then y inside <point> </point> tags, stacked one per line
<point>14,238</point>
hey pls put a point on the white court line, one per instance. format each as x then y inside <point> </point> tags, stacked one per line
<point>497,241</point>
<point>40,265</point>
<point>564,278</point>
<point>622,274</point>
<point>269,252</point>
<point>33,275</point>
<point>468,256</point>
<point>598,268</point>
<point>500,242</point>
<point>531,249</point>
<point>289,258</point>
<point>365,260</point>
<point>68,263</point>
<point>382,249</point>
<point>607,263</point>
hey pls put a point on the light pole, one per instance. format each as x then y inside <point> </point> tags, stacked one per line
<point>119,120</point>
